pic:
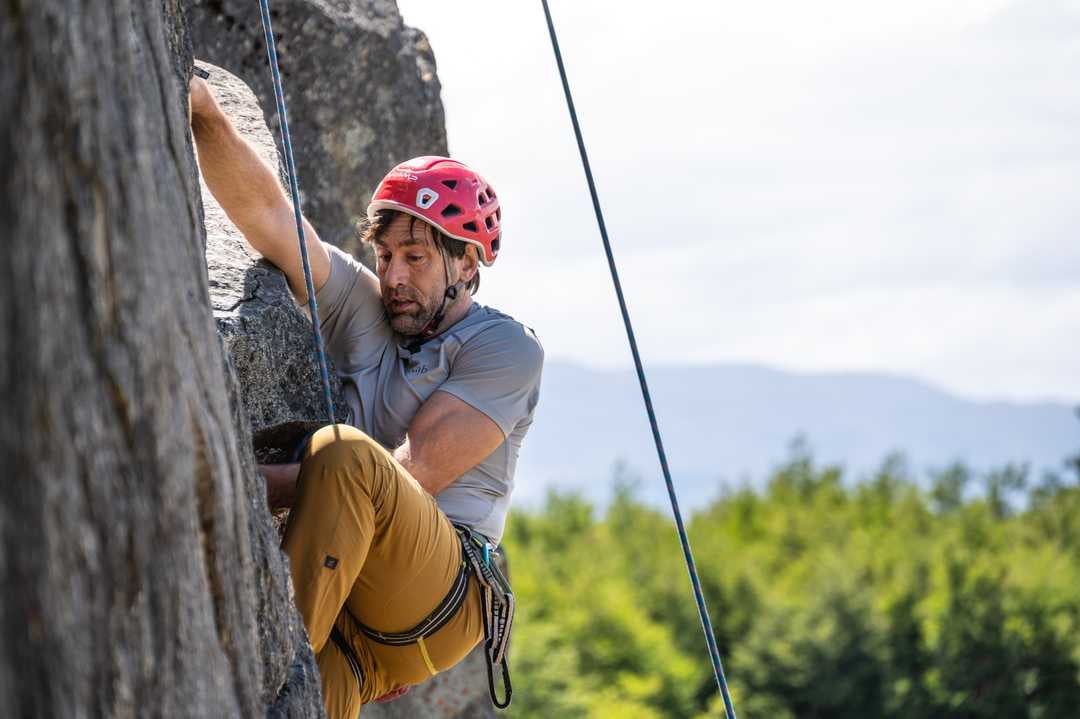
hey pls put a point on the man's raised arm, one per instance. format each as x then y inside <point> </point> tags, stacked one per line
<point>249,192</point>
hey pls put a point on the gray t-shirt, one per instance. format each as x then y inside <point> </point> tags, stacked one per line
<point>486,359</point>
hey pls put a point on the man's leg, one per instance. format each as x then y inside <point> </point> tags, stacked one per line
<point>363,534</point>
<point>329,531</point>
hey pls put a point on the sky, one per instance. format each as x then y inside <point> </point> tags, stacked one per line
<point>849,185</point>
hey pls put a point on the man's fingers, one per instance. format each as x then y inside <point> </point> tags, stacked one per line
<point>391,695</point>
<point>201,98</point>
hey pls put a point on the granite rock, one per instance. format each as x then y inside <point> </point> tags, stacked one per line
<point>132,583</point>
<point>141,568</point>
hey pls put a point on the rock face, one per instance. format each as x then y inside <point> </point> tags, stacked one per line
<point>136,576</point>
<point>361,89</point>
<point>141,570</point>
<point>269,360</point>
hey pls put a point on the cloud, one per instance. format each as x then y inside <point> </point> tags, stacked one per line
<point>844,186</point>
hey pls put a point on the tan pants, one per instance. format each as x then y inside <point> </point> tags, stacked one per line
<point>366,542</point>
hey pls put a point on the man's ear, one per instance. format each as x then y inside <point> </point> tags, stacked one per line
<point>470,264</point>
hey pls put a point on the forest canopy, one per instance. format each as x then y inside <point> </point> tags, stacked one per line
<point>952,595</point>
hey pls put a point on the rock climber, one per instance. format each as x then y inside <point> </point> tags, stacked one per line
<point>441,392</point>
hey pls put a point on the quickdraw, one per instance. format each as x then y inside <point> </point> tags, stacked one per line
<point>497,608</point>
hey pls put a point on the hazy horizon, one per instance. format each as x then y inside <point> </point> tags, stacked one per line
<point>726,425</point>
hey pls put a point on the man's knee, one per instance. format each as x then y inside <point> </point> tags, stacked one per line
<point>341,446</point>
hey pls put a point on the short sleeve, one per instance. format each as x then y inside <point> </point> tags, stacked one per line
<point>354,325</point>
<point>498,371</point>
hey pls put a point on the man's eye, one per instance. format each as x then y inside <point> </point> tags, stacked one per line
<point>415,258</point>
<point>384,258</point>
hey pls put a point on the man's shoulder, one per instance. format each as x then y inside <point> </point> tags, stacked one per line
<point>490,325</point>
<point>491,337</point>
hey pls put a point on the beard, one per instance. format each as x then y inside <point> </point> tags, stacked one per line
<point>409,310</point>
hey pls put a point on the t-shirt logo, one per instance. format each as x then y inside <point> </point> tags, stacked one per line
<point>417,369</point>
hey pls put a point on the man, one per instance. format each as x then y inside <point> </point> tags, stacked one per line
<point>441,391</point>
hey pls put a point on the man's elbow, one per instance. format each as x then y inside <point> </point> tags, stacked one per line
<point>430,478</point>
<point>433,483</point>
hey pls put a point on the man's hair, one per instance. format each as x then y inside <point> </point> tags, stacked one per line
<point>376,228</point>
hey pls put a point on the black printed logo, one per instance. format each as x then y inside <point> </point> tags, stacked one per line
<point>417,369</point>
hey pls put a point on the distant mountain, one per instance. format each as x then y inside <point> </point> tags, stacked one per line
<point>736,422</point>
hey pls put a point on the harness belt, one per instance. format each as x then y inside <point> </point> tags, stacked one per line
<point>435,621</point>
<point>497,610</point>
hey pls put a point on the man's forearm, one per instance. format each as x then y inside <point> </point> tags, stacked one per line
<point>243,184</point>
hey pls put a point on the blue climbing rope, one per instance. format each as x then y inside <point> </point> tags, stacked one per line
<point>294,187</point>
<point>703,612</point>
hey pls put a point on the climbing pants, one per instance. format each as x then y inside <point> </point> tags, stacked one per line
<point>368,544</point>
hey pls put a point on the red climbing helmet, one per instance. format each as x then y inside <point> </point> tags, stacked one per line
<point>447,194</point>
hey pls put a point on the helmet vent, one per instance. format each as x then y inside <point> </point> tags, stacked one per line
<point>452,184</point>
<point>470,226</point>
<point>495,245</point>
<point>451,211</point>
<point>498,214</point>
<point>488,223</point>
<point>482,198</point>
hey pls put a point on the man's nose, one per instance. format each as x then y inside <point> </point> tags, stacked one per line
<point>396,273</point>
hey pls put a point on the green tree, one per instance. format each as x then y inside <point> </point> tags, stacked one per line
<point>829,598</point>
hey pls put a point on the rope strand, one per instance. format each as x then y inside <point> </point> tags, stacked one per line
<point>294,188</point>
<point>703,612</point>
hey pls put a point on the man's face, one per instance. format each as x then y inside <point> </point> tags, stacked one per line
<point>411,274</point>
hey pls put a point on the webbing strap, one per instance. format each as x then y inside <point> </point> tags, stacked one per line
<point>294,188</point>
<point>706,624</point>
<point>350,657</point>
<point>432,623</point>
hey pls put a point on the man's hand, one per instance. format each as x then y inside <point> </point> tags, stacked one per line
<point>391,695</point>
<point>202,102</point>
<point>280,484</point>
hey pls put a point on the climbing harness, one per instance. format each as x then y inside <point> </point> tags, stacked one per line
<point>703,612</point>
<point>294,188</point>
<point>497,610</point>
